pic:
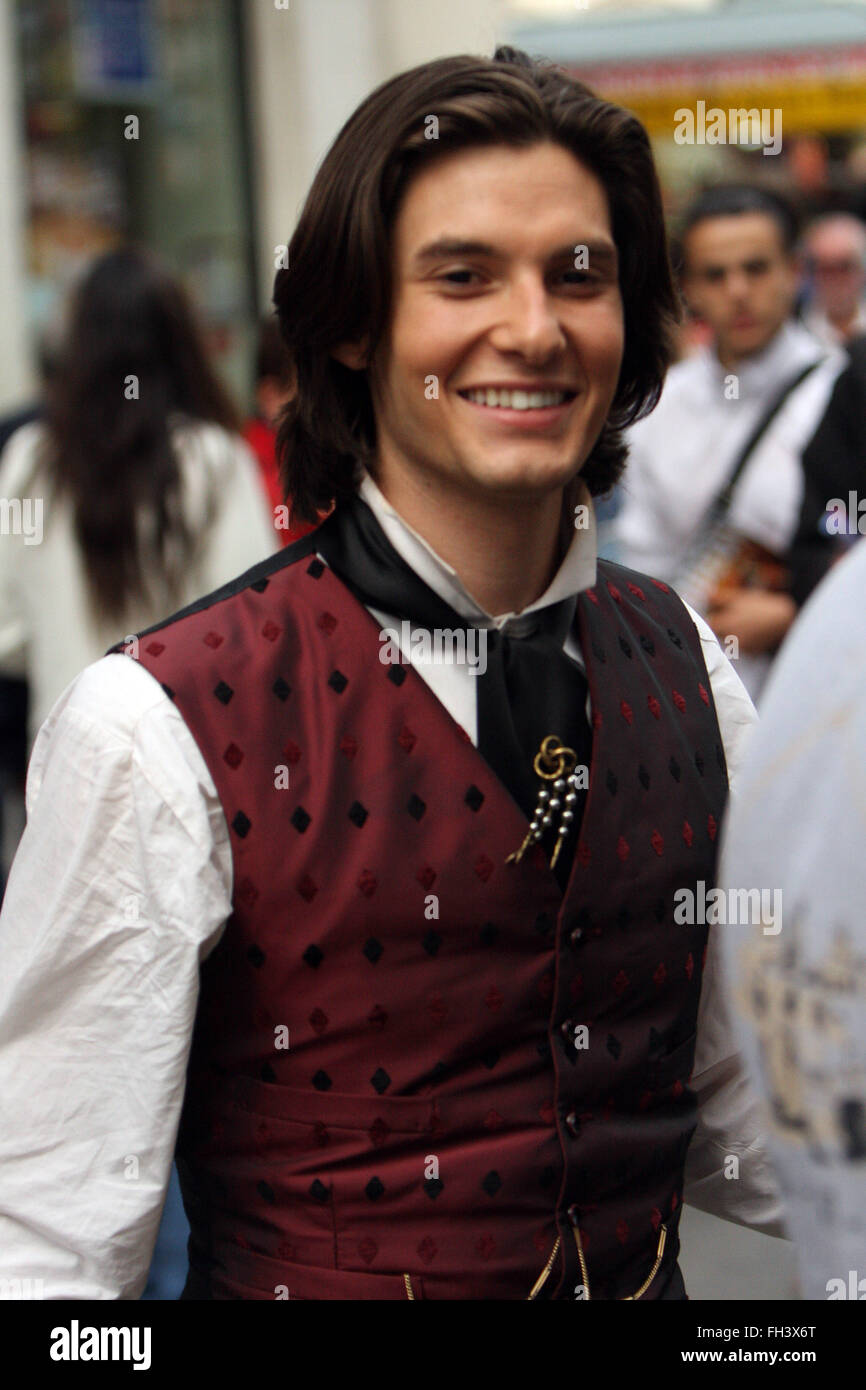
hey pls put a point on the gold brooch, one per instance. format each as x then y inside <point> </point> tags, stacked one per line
<point>552,763</point>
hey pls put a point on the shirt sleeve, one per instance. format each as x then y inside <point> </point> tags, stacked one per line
<point>121,885</point>
<point>734,708</point>
<point>728,1171</point>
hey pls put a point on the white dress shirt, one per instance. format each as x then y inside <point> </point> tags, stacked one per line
<point>800,992</point>
<point>122,885</point>
<point>681,456</point>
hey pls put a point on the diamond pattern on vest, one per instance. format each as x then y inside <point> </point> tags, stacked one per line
<point>437,998</point>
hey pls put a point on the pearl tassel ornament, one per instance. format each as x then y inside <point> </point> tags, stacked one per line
<point>552,763</point>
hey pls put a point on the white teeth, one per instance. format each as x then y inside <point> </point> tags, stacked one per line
<point>516,400</point>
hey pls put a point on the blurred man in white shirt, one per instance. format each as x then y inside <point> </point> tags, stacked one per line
<point>740,276</point>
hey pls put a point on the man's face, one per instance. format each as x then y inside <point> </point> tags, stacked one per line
<point>740,279</point>
<point>502,358</point>
<point>834,258</point>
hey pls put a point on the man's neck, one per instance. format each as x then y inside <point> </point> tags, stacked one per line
<point>731,361</point>
<point>505,551</point>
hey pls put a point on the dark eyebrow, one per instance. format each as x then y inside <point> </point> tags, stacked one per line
<point>452,246</point>
<point>751,263</point>
<point>447,247</point>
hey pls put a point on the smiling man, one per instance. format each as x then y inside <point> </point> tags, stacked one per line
<point>394,943</point>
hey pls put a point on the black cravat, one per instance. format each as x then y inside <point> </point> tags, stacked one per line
<point>530,688</point>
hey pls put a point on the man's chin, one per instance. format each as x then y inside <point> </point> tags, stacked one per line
<point>749,343</point>
<point>528,478</point>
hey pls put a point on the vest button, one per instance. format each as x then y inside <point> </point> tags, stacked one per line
<point>572,1124</point>
<point>576,936</point>
<point>573,1214</point>
<point>567,1031</point>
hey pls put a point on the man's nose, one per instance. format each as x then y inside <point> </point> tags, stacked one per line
<point>738,284</point>
<point>529,324</point>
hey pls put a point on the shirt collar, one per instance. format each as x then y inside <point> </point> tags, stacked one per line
<point>791,348</point>
<point>576,572</point>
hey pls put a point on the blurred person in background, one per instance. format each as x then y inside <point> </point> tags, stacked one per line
<point>834,469</point>
<point>273,388</point>
<point>834,460</point>
<point>13,689</point>
<point>141,493</point>
<point>146,497</point>
<point>714,483</point>
<point>796,829</point>
<point>834,260</point>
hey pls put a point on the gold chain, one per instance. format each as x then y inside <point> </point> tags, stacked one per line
<point>654,1271</point>
<point>545,1273</point>
<point>542,1278</point>
<point>584,1273</point>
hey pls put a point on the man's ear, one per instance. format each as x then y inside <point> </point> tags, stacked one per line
<point>352,355</point>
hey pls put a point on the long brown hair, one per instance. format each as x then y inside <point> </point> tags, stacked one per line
<point>109,446</point>
<point>337,284</point>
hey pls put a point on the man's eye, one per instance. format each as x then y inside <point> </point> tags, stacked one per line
<point>577,277</point>
<point>459,277</point>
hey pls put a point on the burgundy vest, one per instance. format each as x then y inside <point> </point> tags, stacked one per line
<point>417,1070</point>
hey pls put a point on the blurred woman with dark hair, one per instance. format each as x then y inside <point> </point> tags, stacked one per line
<point>135,494</point>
